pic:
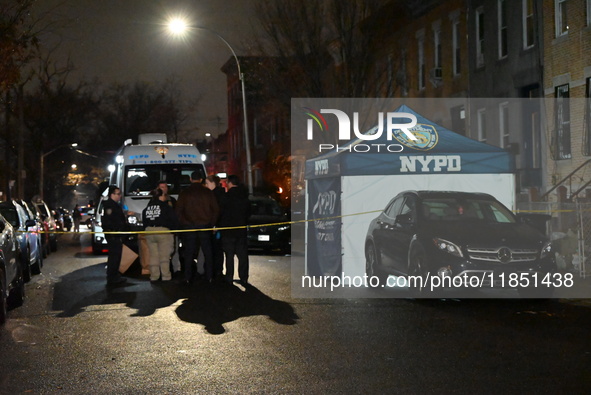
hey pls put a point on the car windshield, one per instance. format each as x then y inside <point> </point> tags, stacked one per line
<point>265,207</point>
<point>140,180</point>
<point>450,209</point>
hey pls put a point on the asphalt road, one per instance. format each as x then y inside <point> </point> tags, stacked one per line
<point>74,336</point>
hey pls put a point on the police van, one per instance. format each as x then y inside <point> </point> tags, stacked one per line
<point>139,167</point>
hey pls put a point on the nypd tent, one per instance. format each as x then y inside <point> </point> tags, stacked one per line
<point>347,187</point>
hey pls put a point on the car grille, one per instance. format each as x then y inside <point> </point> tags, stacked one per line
<point>502,254</point>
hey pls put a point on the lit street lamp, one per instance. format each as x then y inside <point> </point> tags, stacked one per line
<point>178,26</point>
<point>42,164</point>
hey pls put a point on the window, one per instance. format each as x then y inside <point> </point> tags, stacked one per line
<point>560,18</point>
<point>528,23</point>
<point>394,208</point>
<point>504,124</point>
<point>588,12</point>
<point>437,44</point>
<point>456,47</point>
<point>480,37</point>
<point>587,123</point>
<point>421,60</point>
<point>502,28</point>
<point>141,179</point>
<point>562,122</point>
<point>401,77</point>
<point>482,125</point>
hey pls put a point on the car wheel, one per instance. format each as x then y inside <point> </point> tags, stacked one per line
<point>3,300</point>
<point>17,294</point>
<point>53,244</point>
<point>417,267</point>
<point>38,264</point>
<point>371,263</point>
<point>26,263</point>
<point>46,249</point>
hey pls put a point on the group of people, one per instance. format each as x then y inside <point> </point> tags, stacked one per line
<point>208,217</point>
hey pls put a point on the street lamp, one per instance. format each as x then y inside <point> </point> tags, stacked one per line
<point>42,164</point>
<point>178,26</point>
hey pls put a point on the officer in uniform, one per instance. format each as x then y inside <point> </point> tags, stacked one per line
<point>113,220</point>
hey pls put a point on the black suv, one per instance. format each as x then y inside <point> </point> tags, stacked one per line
<point>458,234</point>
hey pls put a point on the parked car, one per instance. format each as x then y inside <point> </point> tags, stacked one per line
<point>265,210</point>
<point>99,242</point>
<point>31,253</point>
<point>87,213</point>
<point>12,283</point>
<point>59,220</point>
<point>432,233</point>
<point>66,218</point>
<point>42,228</point>
<point>45,214</point>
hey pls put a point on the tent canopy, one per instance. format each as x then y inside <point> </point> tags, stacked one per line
<point>437,150</point>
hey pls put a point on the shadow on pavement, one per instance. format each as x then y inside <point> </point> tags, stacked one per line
<point>213,305</point>
<point>210,305</point>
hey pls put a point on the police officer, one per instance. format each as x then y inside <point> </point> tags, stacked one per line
<point>113,220</point>
<point>159,216</point>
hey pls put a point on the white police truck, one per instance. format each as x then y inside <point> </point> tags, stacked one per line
<point>139,167</point>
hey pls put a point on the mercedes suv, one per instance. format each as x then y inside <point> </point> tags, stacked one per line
<point>458,235</point>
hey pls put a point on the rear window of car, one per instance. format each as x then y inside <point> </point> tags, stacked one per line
<point>265,207</point>
<point>10,215</point>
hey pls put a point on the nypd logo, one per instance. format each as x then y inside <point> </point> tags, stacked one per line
<point>426,137</point>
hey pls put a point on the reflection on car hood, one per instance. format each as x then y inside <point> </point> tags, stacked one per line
<point>486,234</point>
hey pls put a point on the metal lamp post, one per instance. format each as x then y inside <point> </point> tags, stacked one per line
<point>42,165</point>
<point>178,26</point>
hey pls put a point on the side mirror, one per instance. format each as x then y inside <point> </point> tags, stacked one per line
<point>404,219</point>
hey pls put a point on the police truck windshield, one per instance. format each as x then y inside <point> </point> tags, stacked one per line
<point>141,179</point>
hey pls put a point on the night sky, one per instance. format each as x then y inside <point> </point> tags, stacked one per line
<point>125,41</point>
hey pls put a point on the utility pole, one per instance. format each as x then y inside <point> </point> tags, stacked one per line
<point>21,176</point>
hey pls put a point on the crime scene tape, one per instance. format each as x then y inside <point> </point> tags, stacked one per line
<point>204,229</point>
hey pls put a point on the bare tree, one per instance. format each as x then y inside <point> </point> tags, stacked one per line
<point>18,40</point>
<point>132,109</point>
<point>321,48</point>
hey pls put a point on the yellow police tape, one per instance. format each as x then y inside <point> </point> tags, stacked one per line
<point>255,226</point>
<point>207,229</point>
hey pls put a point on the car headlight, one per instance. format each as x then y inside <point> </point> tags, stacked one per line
<point>282,228</point>
<point>546,250</point>
<point>448,247</point>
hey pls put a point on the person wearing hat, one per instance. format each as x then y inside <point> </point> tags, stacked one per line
<point>114,220</point>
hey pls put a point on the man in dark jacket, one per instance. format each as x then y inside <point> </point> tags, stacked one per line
<point>235,210</point>
<point>197,209</point>
<point>113,220</point>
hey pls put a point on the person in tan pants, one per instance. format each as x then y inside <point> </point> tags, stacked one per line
<point>159,216</point>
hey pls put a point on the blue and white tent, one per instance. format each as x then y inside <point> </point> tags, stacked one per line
<point>363,176</point>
